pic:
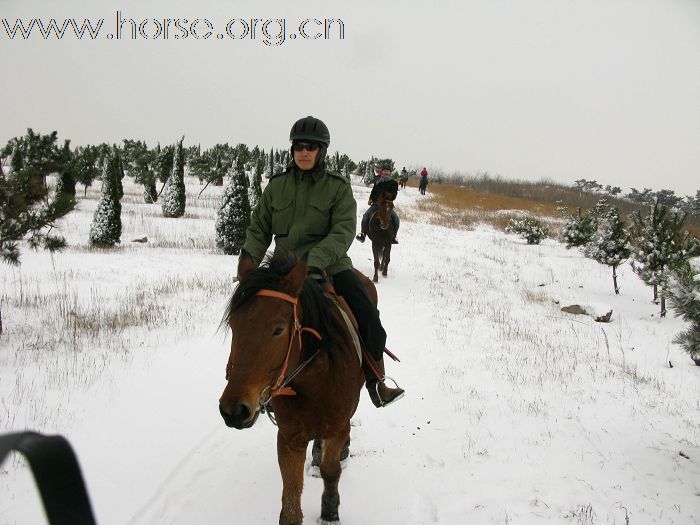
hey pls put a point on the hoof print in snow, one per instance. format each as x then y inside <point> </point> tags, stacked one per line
<point>142,239</point>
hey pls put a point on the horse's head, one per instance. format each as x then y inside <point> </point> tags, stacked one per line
<point>262,327</point>
<point>385,206</point>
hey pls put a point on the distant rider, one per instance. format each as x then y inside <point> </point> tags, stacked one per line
<point>383,184</point>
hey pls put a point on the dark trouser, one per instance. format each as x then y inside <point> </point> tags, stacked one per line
<point>372,333</point>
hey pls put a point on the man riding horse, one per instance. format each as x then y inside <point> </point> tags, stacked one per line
<point>389,188</point>
<point>310,210</point>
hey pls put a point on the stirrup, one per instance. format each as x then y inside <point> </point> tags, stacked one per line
<point>383,403</point>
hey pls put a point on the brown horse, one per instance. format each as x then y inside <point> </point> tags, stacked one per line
<point>402,182</point>
<point>381,232</point>
<point>292,349</point>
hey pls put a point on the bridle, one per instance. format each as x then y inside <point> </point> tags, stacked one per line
<point>279,387</point>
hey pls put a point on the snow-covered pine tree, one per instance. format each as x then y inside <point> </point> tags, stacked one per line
<point>118,171</point>
<point>106,228</point>
<point>579,229</point>
<point>659,245</point>
<point>270,164</point>
<point>336,162</point>
<point>684,297</point>
<point>173,201</point>
<point>610,244</point>
<point>532,230</point>
<point>234,213</point>
<point>256,189</point>
<point>163,165</point>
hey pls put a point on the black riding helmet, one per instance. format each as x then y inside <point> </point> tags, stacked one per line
<point>311,129</point>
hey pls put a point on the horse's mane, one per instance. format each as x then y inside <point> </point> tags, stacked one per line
<point>316,307</point>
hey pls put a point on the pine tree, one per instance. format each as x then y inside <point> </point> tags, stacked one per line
<point>26,208</point>
<point>139,161</point>
<point>271,164</point>
<point>174,199</point>
<point>65,183</point>
<point>610,245</point>
<point>256,189</point>
<point>87,170</point>
<point>659,245</point>
<point>119,172</point>
<point>163,164</point>
<point>579,229</point>
<point>684,297</point>
<point>532,230</point>
<point>234,213</point>
<point>106,228</point>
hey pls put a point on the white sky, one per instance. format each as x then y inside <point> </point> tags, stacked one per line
<point>595,89</point>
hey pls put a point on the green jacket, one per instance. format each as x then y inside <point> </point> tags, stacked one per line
<point>306,212</point>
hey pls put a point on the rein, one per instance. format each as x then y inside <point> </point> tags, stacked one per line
<point>279,387</point>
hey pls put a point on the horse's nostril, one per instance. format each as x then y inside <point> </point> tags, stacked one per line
<point>237,416</point>
<point>241,412</point>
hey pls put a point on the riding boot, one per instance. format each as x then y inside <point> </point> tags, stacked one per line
<point>380,394</point>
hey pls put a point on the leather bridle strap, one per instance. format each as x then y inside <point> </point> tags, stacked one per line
<point>278,388</point>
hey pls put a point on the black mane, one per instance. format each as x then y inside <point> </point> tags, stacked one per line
<point>316,307</point>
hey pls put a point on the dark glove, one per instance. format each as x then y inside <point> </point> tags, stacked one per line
<point>320,276</point>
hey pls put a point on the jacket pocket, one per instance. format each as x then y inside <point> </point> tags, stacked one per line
<point>319,217</point>
<point>281,216</point>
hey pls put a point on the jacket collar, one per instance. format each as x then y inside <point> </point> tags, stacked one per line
<point>316,172</point>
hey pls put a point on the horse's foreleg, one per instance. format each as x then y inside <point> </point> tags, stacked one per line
<point>291,461</point>
<point>386,259</point>
<point>375,252</point>
<point>330,472</point>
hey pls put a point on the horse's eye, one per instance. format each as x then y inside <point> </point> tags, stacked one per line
<point>277,331</point>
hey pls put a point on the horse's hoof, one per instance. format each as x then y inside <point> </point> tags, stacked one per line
<point>325,522</point>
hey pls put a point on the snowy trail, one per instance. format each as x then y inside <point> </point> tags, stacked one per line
<point>483,431</point>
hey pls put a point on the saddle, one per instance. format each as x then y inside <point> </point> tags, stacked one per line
<point>351,323</point>
<point>347,316</point>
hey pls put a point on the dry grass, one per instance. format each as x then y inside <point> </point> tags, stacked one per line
<point>463,208</point>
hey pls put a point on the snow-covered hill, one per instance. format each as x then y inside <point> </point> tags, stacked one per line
<point>515,413</point>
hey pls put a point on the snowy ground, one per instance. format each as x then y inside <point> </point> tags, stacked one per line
<point>515,412</point>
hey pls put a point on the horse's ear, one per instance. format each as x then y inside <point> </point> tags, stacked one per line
<point>246,263</point>
<point>294,280</point>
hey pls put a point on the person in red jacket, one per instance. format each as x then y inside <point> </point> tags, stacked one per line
<point>423,181</point>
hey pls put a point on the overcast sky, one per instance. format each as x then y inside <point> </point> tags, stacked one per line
<point>528,89</point>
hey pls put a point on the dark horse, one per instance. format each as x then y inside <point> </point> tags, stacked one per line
<point>292,348</point>
<point>403,181</point>
<point>381,232</point>
<point>423,185</point>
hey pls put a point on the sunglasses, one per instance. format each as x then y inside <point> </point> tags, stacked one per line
<point>301,146</point>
